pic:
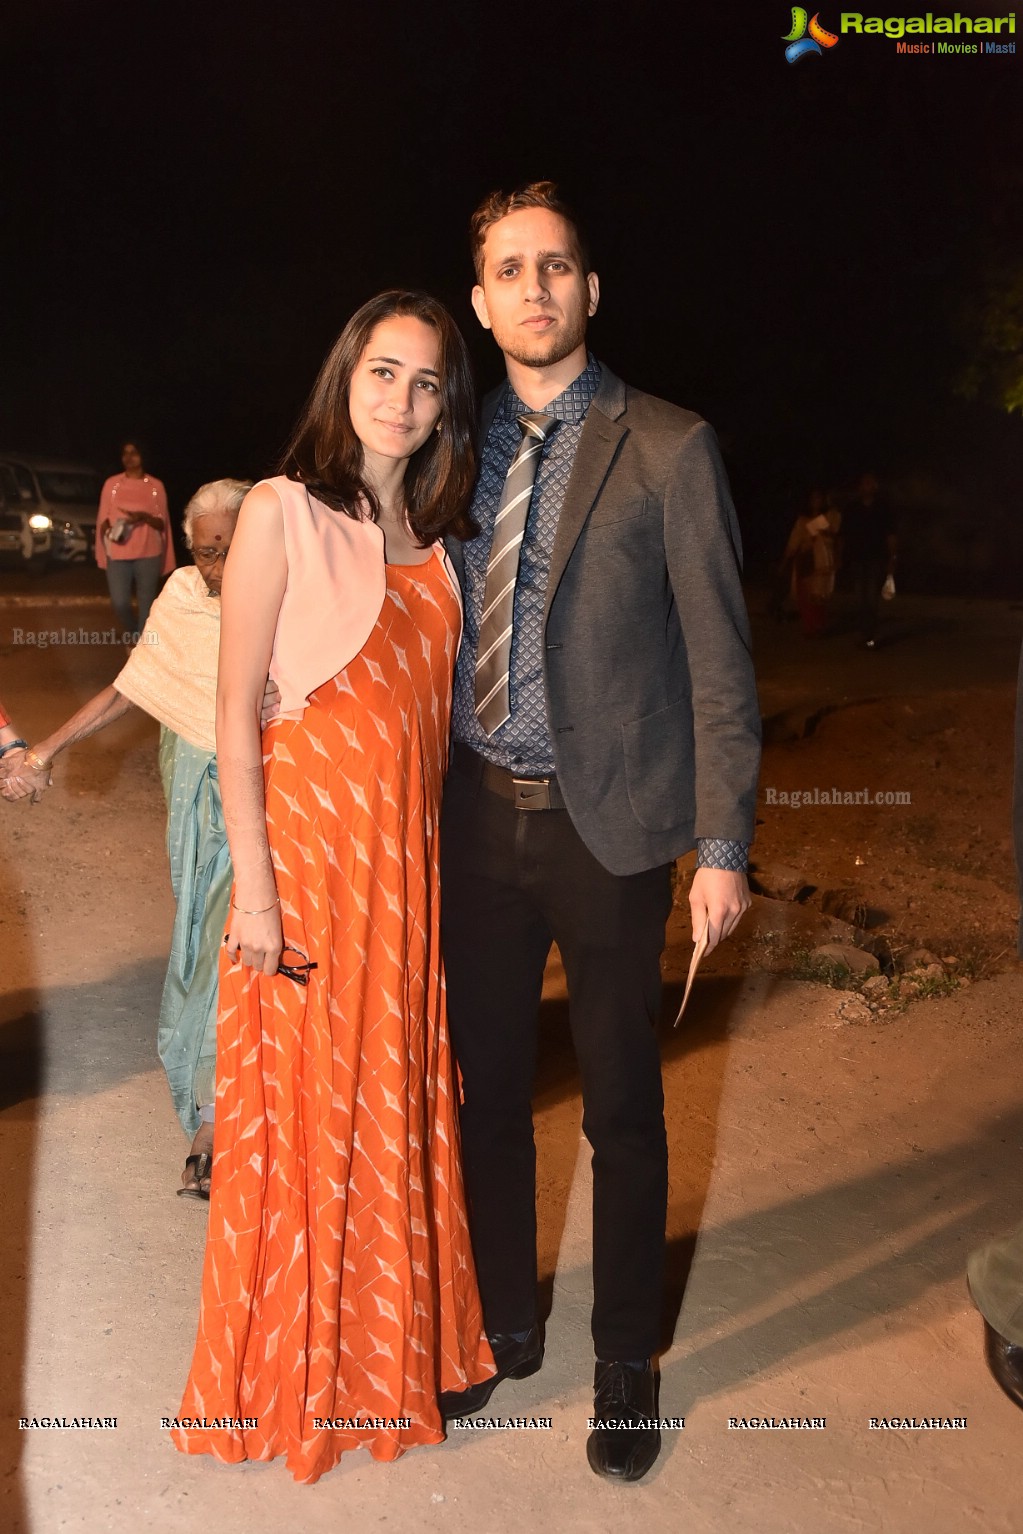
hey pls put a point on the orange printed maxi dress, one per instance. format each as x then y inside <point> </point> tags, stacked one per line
<point>339,1294</point>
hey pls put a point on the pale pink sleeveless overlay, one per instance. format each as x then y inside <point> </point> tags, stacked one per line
<point>334,593</point>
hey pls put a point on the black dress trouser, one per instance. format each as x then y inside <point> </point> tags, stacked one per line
<point>513,881</point>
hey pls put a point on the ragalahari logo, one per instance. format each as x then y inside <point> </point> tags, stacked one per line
<point>807,35</point>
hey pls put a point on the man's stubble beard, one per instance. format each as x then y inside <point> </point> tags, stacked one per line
<point>539,356</point>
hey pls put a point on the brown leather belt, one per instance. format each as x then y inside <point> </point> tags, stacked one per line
<point>524,793</point>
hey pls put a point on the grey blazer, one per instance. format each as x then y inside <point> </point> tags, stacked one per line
<point>651,698</point>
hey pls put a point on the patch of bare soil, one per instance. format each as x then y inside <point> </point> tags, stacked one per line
<point>884,824</point>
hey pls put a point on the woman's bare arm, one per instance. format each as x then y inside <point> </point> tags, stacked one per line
<point>254,582</point>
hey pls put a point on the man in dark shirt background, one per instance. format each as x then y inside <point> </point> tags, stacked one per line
<point>869,553</point>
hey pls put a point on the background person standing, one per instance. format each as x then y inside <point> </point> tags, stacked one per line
<point>133,539</point>
<point>869,551</point>
<point>810,560</point>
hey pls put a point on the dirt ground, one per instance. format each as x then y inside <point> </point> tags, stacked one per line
<point>927,717</point>
<point>830,1168</point>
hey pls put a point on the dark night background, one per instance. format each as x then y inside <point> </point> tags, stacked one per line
<point>197,196</point>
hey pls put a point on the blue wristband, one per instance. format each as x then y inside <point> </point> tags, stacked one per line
<point>13,745</point>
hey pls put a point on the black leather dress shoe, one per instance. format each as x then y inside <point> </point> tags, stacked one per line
<point>626,1439</point>
<point>514,1360</point>
<point>1005,1360</point>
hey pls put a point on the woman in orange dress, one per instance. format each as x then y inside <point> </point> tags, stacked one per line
<point>339,1296</point>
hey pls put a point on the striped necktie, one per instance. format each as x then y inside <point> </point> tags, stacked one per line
<point>493,657</point>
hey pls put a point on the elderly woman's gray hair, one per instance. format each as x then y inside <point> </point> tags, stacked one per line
<point>218,495</point>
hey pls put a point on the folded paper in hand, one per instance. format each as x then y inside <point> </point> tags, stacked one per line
<point>699,950</point>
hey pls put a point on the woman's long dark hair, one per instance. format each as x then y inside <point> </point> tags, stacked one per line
<point>325,454</point>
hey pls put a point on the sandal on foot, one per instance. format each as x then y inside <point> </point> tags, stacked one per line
<point>202,1165</point>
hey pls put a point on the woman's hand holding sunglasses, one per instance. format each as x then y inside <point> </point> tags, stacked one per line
<point>256,937</point>
<point>270,958</point>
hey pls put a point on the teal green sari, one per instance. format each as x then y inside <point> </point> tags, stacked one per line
<point>200,865</point>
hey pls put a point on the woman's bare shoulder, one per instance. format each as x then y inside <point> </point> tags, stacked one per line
<point>263,497</point>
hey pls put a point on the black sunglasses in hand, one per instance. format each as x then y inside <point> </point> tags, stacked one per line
<point>297,972</point>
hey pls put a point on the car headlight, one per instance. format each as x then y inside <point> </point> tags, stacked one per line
<point>38,523</point>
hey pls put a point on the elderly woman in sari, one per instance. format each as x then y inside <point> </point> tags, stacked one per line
<point>172,675</point>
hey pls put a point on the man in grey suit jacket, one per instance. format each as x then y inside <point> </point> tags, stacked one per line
<point>607,721</point>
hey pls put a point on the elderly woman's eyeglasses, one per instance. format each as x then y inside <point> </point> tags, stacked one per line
<point>208,556</point>
<point>297,972</point>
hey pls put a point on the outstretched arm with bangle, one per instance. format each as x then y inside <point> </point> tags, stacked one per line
<point>25,770</point>
<point>28,771</point>
<point>10,740</point>
<point>13,747</point>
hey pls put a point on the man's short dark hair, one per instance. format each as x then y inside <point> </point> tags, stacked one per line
<point>538,194</point>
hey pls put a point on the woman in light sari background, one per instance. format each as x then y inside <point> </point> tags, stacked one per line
<point>172,675</point>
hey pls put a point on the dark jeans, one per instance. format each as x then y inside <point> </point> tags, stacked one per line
<point>144,575</point>
<point>512,881</point>
<point>868,576</point>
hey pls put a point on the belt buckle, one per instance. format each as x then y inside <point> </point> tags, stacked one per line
<point>531,793</point>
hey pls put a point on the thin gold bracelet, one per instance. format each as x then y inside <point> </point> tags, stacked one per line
<point>261,912</point>
<point>36,762</point>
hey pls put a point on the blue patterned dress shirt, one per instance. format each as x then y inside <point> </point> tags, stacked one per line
<point>522,744</point>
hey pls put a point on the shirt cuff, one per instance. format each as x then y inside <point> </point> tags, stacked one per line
<point>716,852</point>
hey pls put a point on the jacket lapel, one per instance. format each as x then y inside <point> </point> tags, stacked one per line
<point>488,410</point>
<point>456,558</point>
<point>601,435</point>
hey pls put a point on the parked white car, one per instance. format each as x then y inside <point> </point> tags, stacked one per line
<point>66,493</point>
<point>26,536</point>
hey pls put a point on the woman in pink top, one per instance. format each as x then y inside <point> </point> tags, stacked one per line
<point>133,539</point>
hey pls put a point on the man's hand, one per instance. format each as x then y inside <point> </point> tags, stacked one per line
<point>717,901</point>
